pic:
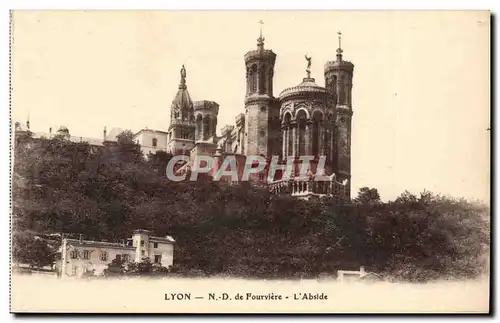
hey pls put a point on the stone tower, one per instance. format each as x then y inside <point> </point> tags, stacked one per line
<point>206,120</point>
<point>338,81</point>
<point>262,127</point>
<point>181,131</point>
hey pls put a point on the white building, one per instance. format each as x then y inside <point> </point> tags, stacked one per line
<point>79,256</point>
<point>151,140</point>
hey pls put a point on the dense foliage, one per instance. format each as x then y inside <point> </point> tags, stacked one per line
<point>241,230</point>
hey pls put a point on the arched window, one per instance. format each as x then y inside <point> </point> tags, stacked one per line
<point>301,133</point>
<point>253,79</point>
<point>341,90</point>
<point>198,127</point>
<point>262,79</point>
<point>206,127</point>
<point>155,142</point>
<point>317,139</point>
<point>288,140</point>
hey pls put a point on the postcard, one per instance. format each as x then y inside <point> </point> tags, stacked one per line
<point>250,162</point>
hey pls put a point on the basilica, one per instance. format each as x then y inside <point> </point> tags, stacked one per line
<point>303,120</point>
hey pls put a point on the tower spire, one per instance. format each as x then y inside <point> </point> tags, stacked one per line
<point>339,49</point>
<point>260,40</point>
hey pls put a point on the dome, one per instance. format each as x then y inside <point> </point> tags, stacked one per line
<point>63,129</point>
<point>182,100</point>
<point>307,87</point>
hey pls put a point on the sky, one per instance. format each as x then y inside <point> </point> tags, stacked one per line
<point>421,93</point>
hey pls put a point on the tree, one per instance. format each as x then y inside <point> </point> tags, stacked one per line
<point>115,268</point>
<point>367,195</point>
<point>31,250</point>
<point>239,230</point>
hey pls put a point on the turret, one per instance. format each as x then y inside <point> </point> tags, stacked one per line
<point>262,133</point>
<point>181,132</point>
<point>338,81</point>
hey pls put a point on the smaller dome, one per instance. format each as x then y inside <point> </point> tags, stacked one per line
<point>63,129</point>
<point>307,87</point>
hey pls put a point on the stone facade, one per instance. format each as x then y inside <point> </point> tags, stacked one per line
<point>151,140</point>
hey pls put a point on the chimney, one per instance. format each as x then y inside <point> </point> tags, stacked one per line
<point>50,132</point>
<point>104,134</point>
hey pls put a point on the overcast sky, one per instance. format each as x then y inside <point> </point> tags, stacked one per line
<point>421,90</point>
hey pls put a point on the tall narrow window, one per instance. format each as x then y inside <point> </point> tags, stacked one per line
<point>262,79</point>
<point>302,136</point>
<point>253,79</point>
<point>206,127</point>
<point>198,127</point>
<point>315,138</point>
<point>155,142</point>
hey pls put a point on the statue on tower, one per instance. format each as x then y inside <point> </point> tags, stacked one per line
<point>308,70</point>
<point>183,72</point>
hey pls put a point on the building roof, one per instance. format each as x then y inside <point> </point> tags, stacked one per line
<point>112,135</point>
<point>98,244</point>
<point>150,130</point>
<point>91,141</point>
<point>339,65</point>
<point>165,239</point>
<point>307,87</point>
<point>182,101</point>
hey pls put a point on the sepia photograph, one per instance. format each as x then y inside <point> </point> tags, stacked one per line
<point>292,162</point>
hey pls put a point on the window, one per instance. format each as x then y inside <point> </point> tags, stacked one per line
<point>142,243</point>
<point>143,252</point>
<point>125,258</point>
<point>74,270</point>
<point>118,258</point>
<point>104,256</point>
<point>74,254</point>
<point>86,254</point>
<point>155,142</point>
<point>262,109</point>
<point>155,245</point>
<point>157,259</point>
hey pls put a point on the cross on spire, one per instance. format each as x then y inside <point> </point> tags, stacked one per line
<point>261,39</point>
<point>339,50</point>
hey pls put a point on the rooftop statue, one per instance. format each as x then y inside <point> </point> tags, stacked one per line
<point>308,70</point>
